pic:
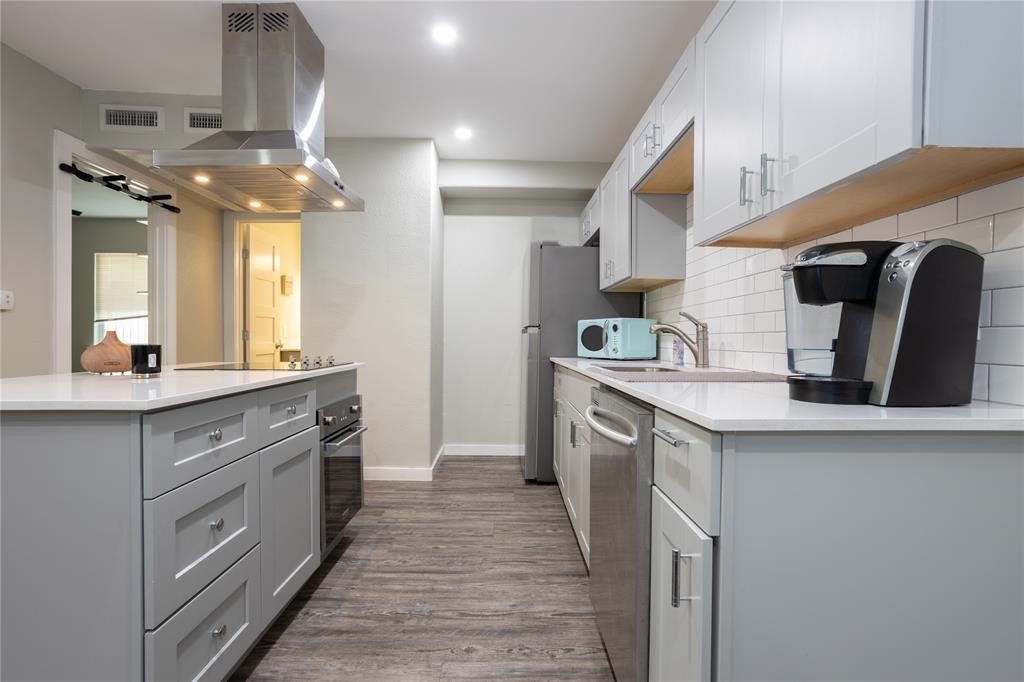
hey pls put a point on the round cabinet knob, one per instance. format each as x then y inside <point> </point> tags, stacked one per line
<point>218,524</point>
<point>292,409</point>
<point>218,632</point>
<point>217,435</point>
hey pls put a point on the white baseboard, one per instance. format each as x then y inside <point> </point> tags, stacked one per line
<point>403,473</point>
<point>484,449</point>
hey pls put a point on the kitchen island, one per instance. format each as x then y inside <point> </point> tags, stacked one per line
<point>800,541</point>
<point>153,528</point>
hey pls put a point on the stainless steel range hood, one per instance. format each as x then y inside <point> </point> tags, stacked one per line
<point>269,157</point>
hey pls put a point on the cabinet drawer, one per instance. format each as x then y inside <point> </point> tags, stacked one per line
<point>181,445</point>
<point>690,471</point>
<point>576,390</point>
<point>286,410</point>
<point>193,533</point>
<point>212,632</point>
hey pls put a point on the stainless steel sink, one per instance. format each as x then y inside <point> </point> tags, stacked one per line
<point>658,373</point>
<point>638,368</point>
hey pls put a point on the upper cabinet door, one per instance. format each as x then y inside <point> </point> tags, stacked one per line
<point>643,146</point>
<point>840,92</point>
<point>621,196</point>
<point>605,209</point>
<point>730,56</point>
<point>674,107</point>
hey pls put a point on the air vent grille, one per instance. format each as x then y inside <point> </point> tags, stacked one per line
<point>131,118</point>
<point>241,22</point>
<point>203,120</point>
<point>274,22</point>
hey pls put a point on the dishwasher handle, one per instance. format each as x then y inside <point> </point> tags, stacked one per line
<point>628,440</point>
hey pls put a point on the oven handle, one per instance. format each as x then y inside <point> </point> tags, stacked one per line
<point>334,446</point>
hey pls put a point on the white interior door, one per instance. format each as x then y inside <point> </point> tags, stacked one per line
<point>264,297</point>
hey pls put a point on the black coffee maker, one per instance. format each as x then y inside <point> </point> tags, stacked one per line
<point>908,327</point>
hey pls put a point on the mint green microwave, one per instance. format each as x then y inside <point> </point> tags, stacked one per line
<point>616,338</point>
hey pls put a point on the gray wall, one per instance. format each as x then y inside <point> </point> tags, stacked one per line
<point>33,102</point>
<point>437,437</point>
<point>372,298</point>
<point>90,236</point>
<point>200,285</point>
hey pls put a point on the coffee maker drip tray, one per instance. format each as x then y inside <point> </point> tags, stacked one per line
<point>833,390</point>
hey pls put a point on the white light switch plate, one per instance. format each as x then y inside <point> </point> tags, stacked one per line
<point>6,300</point>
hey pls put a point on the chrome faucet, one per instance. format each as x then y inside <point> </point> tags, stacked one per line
<point>699,348</point>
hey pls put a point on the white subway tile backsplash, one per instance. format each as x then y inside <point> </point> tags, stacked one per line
<point>1006,384</point>
<point>985,318</point>
<point>980,391</point>
<point>883,229</point>
<point>1004,269</point>
<point>928,217</point>
<point>977,233</point>
<point>843,236</point>
<point>1007,307</point>
<point>999,198</point>
<point>1001,346</point>
<point>1009,230</point>
<point>738,291</point>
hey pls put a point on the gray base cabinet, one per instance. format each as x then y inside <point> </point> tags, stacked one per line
<point>156,546</point>
<point>836,556</point>
<point>289,517</point>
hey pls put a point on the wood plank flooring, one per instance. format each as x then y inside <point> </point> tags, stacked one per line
<point>473,576</point>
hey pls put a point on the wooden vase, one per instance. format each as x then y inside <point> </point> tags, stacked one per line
<point>109,355</point>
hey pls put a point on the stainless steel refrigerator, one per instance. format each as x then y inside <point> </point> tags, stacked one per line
<point>561,289</point>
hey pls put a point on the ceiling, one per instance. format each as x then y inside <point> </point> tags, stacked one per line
<point>546,81</point>
<point>96,201</point>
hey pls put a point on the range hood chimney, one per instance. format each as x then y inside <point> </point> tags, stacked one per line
<point>269,157</point>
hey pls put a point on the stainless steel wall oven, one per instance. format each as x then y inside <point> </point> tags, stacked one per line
<point>341,467</point>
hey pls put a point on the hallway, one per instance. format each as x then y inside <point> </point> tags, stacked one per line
<point>474,575</point>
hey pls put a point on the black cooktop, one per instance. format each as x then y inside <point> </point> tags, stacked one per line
<point>245,366</point>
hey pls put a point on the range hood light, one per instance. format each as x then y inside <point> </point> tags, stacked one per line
<point>201,179</point>
<point>302,177</point>
<point>338,203</point>
<point>255,204</point>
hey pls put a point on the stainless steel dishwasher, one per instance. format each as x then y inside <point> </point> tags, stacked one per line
<point>621,471</point>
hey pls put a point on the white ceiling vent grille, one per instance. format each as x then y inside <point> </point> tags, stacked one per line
<point>131,118</point>
<point>200,120</point>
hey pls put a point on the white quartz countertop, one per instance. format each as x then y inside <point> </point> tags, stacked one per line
<point>83,391</point>
<point>727,406</point>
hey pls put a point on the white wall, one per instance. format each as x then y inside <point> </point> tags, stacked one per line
<point>437,334</point>
<point>200,235</point>
<point>368,294</point>
<point>739,291</point>
<point>33,102</point>
<point>484,278</point>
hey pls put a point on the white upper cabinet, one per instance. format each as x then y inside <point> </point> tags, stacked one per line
<point>856,109</point>
<point>615,227</point>
<point>643,146</point>
<point>839,92</point>
<point>674,107</point>
<point>731,53</point>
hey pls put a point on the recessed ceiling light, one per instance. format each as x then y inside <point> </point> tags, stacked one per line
<point>255,204</point>
<point>200,178</point>
<point>444,34</point>
<point>463,133</point>
<point>338,203</point>
<point>301,177</point>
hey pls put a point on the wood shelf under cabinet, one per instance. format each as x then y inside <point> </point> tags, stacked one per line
<point>674,173</point>
<point>912,180</point>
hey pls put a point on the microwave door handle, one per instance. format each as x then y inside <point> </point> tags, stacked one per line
<point>334,446</point>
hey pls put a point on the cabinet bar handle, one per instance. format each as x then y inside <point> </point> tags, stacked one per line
<point>573,425</point>
<point>743,186</point>
<point>217,435</point>
<point>675,578</point>
<point>669,438</point>
<point>654,139</point>
<point>219,632</point>
<point>765,160</point>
